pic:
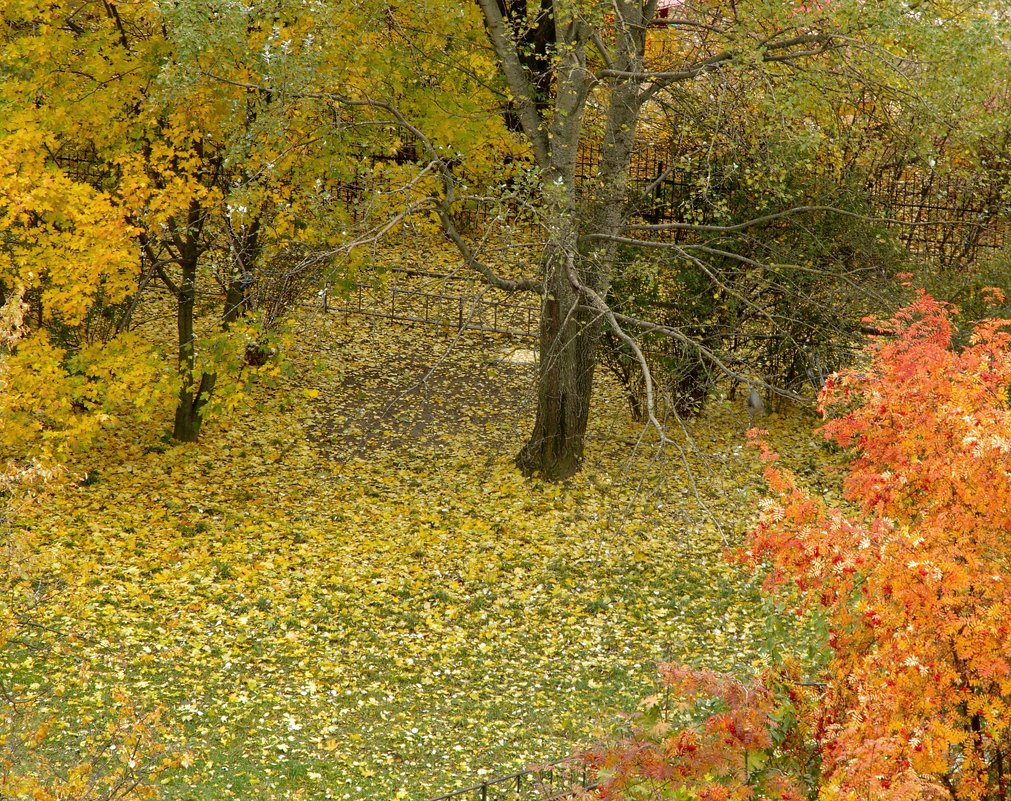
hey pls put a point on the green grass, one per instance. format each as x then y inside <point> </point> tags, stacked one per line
<point>397,621</point>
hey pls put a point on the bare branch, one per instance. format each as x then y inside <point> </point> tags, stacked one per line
<point>601,48</point>
<point>770,52</point>
<point>779,215</point>
<point>689,23</point>
<point>664,79</point>
<point>158,265</point>
<point>600,305</point>
<point>704,352</point>
<point>471,260</point>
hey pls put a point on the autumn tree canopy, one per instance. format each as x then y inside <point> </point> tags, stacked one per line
<point>914,583</point>
<point>227,161</point>
<point>212,156</point>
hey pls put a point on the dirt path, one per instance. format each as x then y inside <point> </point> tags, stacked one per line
<point>394,386</point>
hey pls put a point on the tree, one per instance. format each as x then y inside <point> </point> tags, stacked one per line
<point>911,578</point>
<point>598,59</point>
<point>68,267</point>
<point>914,581</point>
<point>612,73</point>
<point>126,165</point>
<point>617,73</point>
<point>83,93</point>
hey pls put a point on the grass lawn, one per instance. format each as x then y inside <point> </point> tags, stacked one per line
<point>348,591</point>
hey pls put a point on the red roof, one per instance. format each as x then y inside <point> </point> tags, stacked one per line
<point>665,7</point>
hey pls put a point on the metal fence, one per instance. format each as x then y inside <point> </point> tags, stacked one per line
<point>952,219</point>
<point>557,780</point>
<point>461,311</point>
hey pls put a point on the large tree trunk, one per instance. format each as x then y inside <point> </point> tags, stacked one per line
<point>568,350</point>
<point>570,330</point>
<point>577,263</point>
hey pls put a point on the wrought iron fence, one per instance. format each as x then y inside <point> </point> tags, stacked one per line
<point>954,219</point>
<point>551,782</point>
<point>457,311</point>
<point>950,218</point>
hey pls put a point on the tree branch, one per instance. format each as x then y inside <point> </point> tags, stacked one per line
<point>770,52</point>
<point>704,352</point>
<point>600,306</point>
<point>779,215</point>
<point>517,79</point>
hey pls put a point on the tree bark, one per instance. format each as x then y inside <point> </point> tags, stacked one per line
<point>190,407</point>
<point>193,395</point>
<point>245,250</point>
<point>568,355</point>
<point>574,264</point>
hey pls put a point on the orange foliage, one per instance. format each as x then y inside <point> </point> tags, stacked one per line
<point>915,583</point>
<point>912,579</point>
<point>710,737</point>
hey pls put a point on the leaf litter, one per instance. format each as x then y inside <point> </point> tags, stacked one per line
<point>347,590</point>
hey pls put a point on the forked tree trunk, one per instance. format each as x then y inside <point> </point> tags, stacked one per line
<point>579,219</point>
<point>190,407</point>
<point>570,330</point>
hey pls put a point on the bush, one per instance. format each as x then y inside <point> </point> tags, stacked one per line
<point>912,577</point>
<point>780,300</point>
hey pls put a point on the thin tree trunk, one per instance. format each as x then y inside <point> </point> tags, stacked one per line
<point>193,395</point>
<point>189,408</point>
<point>235,301</point>
<point>245,245</point>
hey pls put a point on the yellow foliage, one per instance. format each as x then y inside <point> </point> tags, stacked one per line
<point>53,404</point>
<point>123,761</point>
<point>64,238</point>
<point>351,580</point>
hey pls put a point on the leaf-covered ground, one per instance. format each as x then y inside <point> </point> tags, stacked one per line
<point>348,591</point>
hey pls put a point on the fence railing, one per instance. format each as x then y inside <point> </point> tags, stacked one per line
<point>457,311</point>
<point>954,219</point>
<point>551,782</point>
